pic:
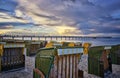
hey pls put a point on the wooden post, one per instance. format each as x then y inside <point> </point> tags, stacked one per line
<point>56,67</point>
<point>68,68</point>
<point>64,67</point>
<point>74,66</point>
<point>1,53</point>
<point>71,63</point>
<point>60,67</point>
<point>0,63</point>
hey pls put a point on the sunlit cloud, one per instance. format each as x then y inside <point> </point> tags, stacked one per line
<point>3,31</point>
<point>6,27</point>
<point>65,30</point>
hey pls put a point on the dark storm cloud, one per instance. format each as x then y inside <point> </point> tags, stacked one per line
<point>109,19</point>
<point>46,16</point>
<point>88,16</point>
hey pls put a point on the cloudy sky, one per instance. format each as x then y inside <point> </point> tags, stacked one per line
<point>61,17</point>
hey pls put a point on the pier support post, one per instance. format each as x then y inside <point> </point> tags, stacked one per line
<point>13,38</point>
<point>69,38</point>
<point>31,38</point>
<point>56,38</point>
<point>38,38</point>
<point>65,38</point>
<point>51,38</point>
<point>45,38</point>
<point>22,38</point>
<point>1,38</point>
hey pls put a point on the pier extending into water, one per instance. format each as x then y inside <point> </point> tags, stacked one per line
<point>48,37</point>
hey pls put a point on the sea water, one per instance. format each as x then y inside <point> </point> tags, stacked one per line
<point>93,41</point>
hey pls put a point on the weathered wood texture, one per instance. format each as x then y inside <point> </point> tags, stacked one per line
<point>12,58</point>
<point>32,47</point>
<point>65,66</point>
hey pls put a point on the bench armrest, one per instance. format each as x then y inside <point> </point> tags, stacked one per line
<point>36,70</point>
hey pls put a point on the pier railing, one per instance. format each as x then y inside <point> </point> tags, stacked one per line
<point>23,37</point>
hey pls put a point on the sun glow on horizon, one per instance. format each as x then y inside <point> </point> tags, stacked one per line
<point>64,29</point>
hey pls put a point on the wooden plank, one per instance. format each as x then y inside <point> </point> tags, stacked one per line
<point>71,66</point>
<point>60,67</point>
<point>68,67</point>
<point>55,67</point>
<point>0,64</point>
<point>7,57</point>
<point>51,73</point>
<point>77,60</point>
<point>64,67</point>
<point>74,66</point>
